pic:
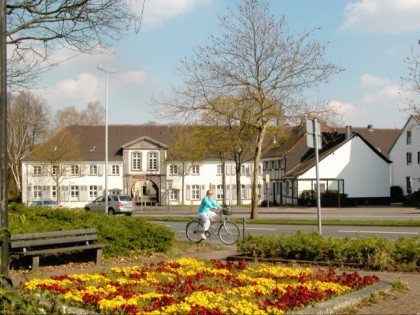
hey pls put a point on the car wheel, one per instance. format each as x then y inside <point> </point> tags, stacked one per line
<point>111,211</point>
<point>128,214</point>
<point>87,208</point>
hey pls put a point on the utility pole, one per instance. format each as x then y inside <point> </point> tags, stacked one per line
<point>4,265</point>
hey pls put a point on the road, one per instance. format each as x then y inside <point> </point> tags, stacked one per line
<point>340,231</point>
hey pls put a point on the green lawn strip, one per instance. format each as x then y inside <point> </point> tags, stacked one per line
<point>298,221</point>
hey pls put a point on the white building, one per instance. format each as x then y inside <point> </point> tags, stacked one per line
<point>351,161</point>
<point>137,165</point>
<point>405,155</point>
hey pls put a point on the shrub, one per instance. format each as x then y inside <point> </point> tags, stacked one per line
<point>127,235</point>
<point>333,198</point>
<point>373,253</point>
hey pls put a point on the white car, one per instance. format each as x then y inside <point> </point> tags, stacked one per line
<point>46,204</point>
<point>117,204</point>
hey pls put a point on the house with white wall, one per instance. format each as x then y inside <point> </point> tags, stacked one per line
<point>137,165</point>
<point>405,156</point>
<point>348,163</point>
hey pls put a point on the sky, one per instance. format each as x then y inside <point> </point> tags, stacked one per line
<point>370,39</point>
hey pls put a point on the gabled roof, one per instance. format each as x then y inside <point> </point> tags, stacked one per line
<point>326,151</point>
<point>147,139</point>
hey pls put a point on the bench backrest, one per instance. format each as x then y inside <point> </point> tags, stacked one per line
<point>53,238</point>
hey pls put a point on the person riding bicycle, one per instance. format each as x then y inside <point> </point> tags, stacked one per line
<point>205,213</point>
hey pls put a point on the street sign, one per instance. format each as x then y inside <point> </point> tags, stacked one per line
<point>313,129</point>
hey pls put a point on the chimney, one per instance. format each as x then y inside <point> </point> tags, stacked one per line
<point>370,127</point>
<point>349,132</point>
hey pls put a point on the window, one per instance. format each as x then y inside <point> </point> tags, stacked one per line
<point>37,192</point>
<point>55,169</point>
<point>243,169</point>
<point>153,159</point>
<point>219,192</point>
<point>74,192</point>
<point>54,192</point>
<point>174,194</point>
<point>195,169</point>
<point>93,191</point>
<point>93,169</point>
<point>115,170</point>
<point>219,169</point>
<point>75,170</point>
<point>136,161</point>
<point>408,184</point>
<point>173,169</point>
<point>37,170</point>
<point>243,192</point>
<point>195,192</point>
<point>409,158</point>
<point>418,157</point>
<point>408,136</point>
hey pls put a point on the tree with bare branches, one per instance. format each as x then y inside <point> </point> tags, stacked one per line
<point>92,115</point>
<point>35,29</point>
<point>259,62</point>
<point>27,125</point>
<point>58,156</point>
<point>411,85</point>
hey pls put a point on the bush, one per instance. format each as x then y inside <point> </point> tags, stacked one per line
<point>127,236</point>
<point>397,194</point>
<point>333,198</point>
<point>413,200</point>
<point>373,253</point>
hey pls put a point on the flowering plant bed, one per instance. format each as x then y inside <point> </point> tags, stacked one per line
<point>192,286</point>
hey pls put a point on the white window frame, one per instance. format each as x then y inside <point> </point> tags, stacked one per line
<point>115,170</point>
<point>195,169</point>
<point>54,169</point>
<point>409,158</point>
<point>243,192</point>
<point>136,161</point>
<point>195,192</point>
<point>173,169</point>
<point>409,138</point>
<point>219,191</point>
<point>37,170</point>
<point>174,194</point>
<point>75,170</point>
<point>37,192</point>
<point>93,191</point>
<point>74,192</point>
<point>93,169</point>
<point>54,192</point>
<point>219,169</point>
<point>152,161</point>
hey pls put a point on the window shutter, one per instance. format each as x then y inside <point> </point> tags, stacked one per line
<point>188,192</point>
<point>83,193</point>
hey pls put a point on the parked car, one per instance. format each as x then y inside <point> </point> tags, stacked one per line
<point>46,203</point>
<point>117,204</point>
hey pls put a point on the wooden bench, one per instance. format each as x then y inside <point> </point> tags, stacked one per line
<point>37,244</point>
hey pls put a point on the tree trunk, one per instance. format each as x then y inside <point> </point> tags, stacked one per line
<point>257,160</point>
<point>223,181</point>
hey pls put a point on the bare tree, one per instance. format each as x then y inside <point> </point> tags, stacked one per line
<point>411,85</point>
<point>93,115</point>
<point>258,62</point>
<point>187,150</point>
<point>35,29</point>
<point>58,155</point>
<point>27,125</point>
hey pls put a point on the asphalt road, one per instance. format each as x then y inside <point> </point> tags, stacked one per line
<point>341,231</point>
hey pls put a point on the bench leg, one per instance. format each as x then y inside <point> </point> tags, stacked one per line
<point>35,262</point>
<point>98,256</point>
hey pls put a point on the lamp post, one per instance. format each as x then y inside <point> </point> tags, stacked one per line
<point>107,72</point>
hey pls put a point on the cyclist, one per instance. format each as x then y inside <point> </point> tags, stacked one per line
<point>205,213</point>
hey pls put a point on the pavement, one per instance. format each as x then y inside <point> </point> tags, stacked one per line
<point>404,302</point>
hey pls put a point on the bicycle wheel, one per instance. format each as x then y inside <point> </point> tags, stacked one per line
<point>194,230</point>
<point>229,233</point>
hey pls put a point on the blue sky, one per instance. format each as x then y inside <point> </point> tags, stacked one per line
<point>368,38</point>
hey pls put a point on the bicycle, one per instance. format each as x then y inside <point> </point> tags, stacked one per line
<point>228,232</point>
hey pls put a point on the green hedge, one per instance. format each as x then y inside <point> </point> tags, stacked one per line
<point>372,253</point>
<point>127,235</point>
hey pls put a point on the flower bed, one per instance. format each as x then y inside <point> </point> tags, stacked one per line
<point>191,286</point>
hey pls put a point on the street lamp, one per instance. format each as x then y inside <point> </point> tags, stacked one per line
<point>107,72</point>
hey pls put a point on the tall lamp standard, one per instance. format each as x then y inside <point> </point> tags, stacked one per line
<point>107,72</point>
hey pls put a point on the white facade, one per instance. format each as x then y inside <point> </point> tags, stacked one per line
<point>77,189</point>
<point>365,173</point>
<point>405,156</point>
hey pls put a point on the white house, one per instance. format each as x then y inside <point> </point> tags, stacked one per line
<point>405,156</point>
<point>347,163</point>
<point>137,165</point>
